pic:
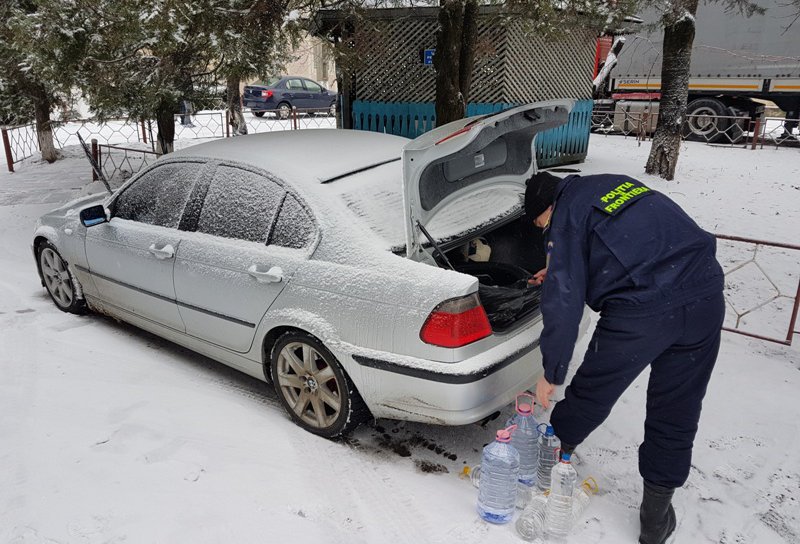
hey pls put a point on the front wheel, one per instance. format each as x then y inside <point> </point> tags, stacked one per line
<point>313,387</point>
<point>60,284</point>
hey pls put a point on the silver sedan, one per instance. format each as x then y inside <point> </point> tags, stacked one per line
<point>334,275</point>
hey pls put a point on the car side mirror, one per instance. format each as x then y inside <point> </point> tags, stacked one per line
<point>94,215</point>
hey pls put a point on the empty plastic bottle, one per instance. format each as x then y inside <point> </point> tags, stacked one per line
<point>526,439</point>
<point>582,497</point>
<point>530,524</point>
<point>548,456</point>
<point>558,514</point>
<point>497,494</point>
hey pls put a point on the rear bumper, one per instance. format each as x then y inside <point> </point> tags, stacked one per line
<point>446,393</point>
<point>460,393</point>
<point>259,104</point>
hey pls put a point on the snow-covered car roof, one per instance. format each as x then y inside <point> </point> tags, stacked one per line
<point>304,157</point>
<point>358,170</point>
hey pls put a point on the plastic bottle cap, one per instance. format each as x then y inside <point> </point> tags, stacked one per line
<point>524,409</point>
<point>503,436</point>
<point>549,431</point>
<point>565,457</point>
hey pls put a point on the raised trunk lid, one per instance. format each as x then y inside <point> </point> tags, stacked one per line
<point>471,155</point>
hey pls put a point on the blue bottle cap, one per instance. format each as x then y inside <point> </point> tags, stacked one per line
<point>549,431</point>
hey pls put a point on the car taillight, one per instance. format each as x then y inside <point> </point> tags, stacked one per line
<point>266,94</point>
<point>456,322</point>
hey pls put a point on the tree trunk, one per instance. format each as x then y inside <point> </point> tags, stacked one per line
<point>679,28</point>
<point>235,115</point>
<point>44,129</point>
<point>165,120</point>
<point>446,61</point>
<point>469,35</point>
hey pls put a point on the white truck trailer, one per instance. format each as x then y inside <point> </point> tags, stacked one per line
<point>735,59</point>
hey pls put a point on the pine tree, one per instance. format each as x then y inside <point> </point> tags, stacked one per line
<point>254,38</point>
<point>36,68</point>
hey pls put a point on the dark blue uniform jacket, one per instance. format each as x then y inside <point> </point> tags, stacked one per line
<point>623,249</point>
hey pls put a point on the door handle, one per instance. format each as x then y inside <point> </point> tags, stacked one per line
<point>165,252</point>
<point>273,275</point>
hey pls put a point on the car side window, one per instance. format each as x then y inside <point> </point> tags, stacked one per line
<point>159,196</point>
<point>240,204</point>
<point>313,87</point>
<point>294,227</point>
<point>294,85</point>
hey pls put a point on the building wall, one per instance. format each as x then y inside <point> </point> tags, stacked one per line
<point>314,62</point>
<point>510,65</point>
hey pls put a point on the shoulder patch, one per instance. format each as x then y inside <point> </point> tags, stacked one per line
<point>621,197</point>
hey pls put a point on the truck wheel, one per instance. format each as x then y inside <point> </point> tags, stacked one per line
<point>706,121</point>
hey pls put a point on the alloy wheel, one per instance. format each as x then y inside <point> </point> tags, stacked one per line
<point>57,278</point>
<point>309,385</point>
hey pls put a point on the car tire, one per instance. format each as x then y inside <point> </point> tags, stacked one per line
<point>258,113</point>
<point>332,110</point>
<point>313,387</point>
<point>283,111</point>
<point>59,282</point>
<point>706,120</point>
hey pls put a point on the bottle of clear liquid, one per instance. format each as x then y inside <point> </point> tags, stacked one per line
<point>558,514</point>
<point>582,497</point>
<point>548,456</point>
<point>526,440</point>
<point>497,494</point>
<point>530,524</point>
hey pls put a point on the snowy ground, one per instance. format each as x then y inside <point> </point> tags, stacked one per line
<point>109,434</point>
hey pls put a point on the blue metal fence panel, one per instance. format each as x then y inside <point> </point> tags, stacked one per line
<point>562,145</point>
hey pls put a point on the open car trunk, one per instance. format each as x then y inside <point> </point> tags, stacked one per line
<point>476,160</point>
<point>516,254</point>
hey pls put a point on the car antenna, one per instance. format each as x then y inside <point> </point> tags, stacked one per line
<point>95,167</point>
<point>435,245</point>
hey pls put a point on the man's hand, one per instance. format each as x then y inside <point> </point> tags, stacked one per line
<point>539,277</point>
<point>544,390</point>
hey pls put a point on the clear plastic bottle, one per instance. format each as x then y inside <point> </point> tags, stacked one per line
<point>558,514</point>
<point>548,456</point>
<point>582,497</point>
<point>526,439</point>
<point>530,524</point>
<point>497,494</point>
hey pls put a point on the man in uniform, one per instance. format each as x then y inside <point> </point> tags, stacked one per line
<point>635,257</point>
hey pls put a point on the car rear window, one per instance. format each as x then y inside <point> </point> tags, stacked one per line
<point>240,205</point>
<point>269,82</point>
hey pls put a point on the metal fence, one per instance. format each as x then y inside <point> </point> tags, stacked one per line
<point>753,287</point>
<point>729,130</point>
<point>20,142</point>
<point>118,163</point>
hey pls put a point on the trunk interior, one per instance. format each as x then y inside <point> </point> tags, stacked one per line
<point>517,253</point>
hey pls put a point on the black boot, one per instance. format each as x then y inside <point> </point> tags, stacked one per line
<point>656,514</point>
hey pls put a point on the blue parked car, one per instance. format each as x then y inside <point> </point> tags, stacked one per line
<point>280,94</point>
